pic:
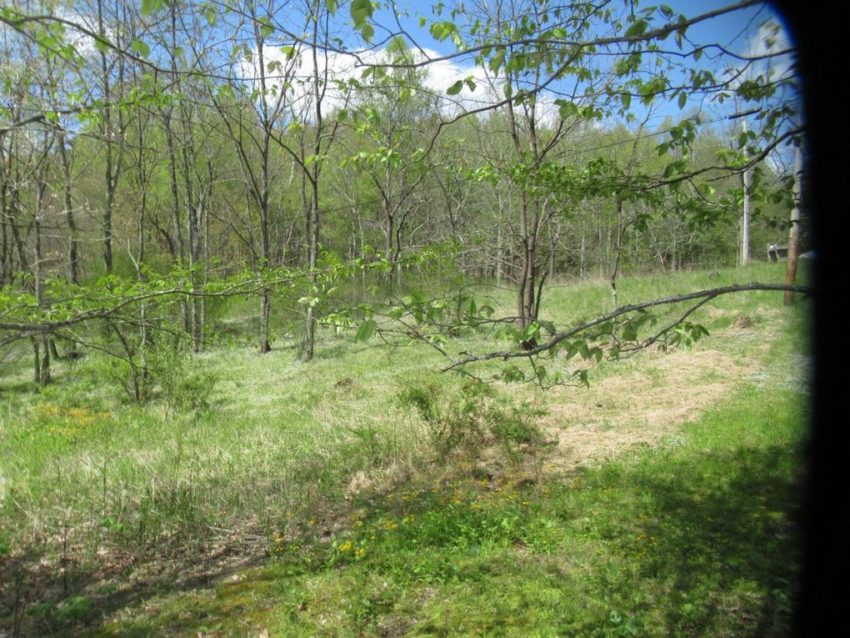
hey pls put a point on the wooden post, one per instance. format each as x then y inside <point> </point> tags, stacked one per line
<point>745,220</point>
<point>794,233</point>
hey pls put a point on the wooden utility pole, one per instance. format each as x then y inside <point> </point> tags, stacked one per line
<point>794,233</point>
<point>745,221</point>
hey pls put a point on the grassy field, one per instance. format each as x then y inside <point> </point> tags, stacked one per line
<point>366,493</point>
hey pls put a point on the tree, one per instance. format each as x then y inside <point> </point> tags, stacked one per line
<point>531,158</point>
<point>389,112</point>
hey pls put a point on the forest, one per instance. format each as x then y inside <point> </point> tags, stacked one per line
<point>305,292</point>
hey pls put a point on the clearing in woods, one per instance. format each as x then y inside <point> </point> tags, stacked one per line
<point>660,500</point>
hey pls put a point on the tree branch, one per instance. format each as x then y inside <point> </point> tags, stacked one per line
<point>703,296</point>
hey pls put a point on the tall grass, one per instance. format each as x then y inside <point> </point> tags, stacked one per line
<point>90,484</point>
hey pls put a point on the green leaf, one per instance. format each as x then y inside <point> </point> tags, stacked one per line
<point>101,44</point>
<point>638,28</point>
<point>151,6</point>
<point>582,377</point>
<point>366,330</point>
<point>140,47</point>
<point>455,88</point>
<point>361,10</point>
<point>566,109</point>
<point>211,15</point>
<point>266,28</point>
<point>496,61</point>
<point>683,99</point>
<point>512,373</point>
<point>442,30</point>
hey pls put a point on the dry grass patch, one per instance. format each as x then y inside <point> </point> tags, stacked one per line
<point>641,406</point>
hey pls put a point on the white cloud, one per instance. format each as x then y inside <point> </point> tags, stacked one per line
<point>438,76</point>
<point>82,42</point>
<point>765,48</point>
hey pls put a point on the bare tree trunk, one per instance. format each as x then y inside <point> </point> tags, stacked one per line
<point>745,217</point>
<point>312,262</point>
<point>526,265</point>
<point>499,256</point>
<point>194,206</point>
<point>176,217</point>
<point>319,86</point>
<point>73,250</point>
<point>581,256</point>
<point>5,246</point>
<point>674,255</point>
<point>109,135</point>
<point>794,233</point>
<point>18,241</point>
<point>36,360</point>
<point>618,250</point>
<point>141,243</point>
<point>554,236</point>
<point>206,248</point>
<point>42,368</point>
<point>265,314</point>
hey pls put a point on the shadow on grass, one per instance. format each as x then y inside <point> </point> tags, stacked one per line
<point>719,532</point>
<point>680,543</point>
<point>43,596</point>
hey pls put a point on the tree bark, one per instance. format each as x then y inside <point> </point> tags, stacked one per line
<point>73,239</point>
<point>794,232</point>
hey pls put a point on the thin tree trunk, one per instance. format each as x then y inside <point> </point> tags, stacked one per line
<point>525,278</point>
<point>5,248</point>
<point>499,256</point>
<point>745,217</point>
<point>107,135</point>
<point>265,314</point>
<point>73,250</point>
<point>176,217</point>
<point>17,240</point>
<point>142,178</point>
<point>42,368</point>
<point>618,250</point>
<point>581,256</point>
<point>794,233</point>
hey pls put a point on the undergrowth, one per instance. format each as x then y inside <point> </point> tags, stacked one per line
<point>381,498</point>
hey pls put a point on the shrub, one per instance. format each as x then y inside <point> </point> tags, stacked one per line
<point>471,417</point>
<point>181,388</point>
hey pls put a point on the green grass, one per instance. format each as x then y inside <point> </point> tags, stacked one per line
<point>691,540</point>
<point>372,527</point>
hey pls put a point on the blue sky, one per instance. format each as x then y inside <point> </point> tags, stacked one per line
<point>740,32</point>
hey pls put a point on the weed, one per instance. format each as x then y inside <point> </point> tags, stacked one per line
<point>183,388</point>
<point>469,417</point>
